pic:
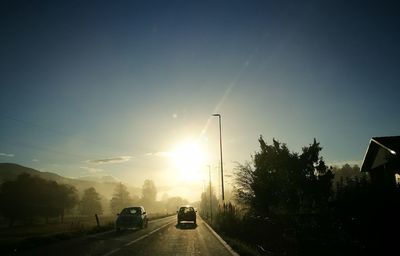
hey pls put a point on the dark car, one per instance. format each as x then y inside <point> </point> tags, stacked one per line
<point>131,217</point>
<point>186,213</point>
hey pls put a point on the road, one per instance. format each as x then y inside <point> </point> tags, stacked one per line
<point>161,237</point>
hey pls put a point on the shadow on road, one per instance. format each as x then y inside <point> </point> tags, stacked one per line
<point>184,225</point>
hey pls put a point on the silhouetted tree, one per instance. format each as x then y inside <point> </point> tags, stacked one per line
<point>284,182</point>
<point>120,199</point>
<point>17,200</point>
<point>56,199</point>
<point>28,197</point>
<point>90,203</point>
<point>347,173</point>
<point>149,194</point>
<point>243,187</point>
<point>67,198</point>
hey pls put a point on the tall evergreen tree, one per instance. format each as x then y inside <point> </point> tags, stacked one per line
<point>280,181</point>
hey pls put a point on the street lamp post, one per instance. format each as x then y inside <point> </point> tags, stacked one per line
<point>220,149</point>
<point>209,179</point>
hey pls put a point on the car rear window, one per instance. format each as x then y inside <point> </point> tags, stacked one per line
<point>186,209</point>
<point>134,210</point>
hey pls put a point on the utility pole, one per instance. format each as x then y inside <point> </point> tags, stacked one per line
<point>220,149</point>
<point>209,178</point>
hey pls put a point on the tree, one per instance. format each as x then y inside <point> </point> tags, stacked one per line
<point>243,187</point>
<point>172,203</point>
<point>90,203</point>
<point>347,173</point>
<point>281,181</point>
<point>67,198</point>
<point>316,178</point>
<point>120,199</point>
<point>149,194</point>
<point>30,196</point>
<point>18,201</point>
<point>57,198</point>
<point>206,207</point>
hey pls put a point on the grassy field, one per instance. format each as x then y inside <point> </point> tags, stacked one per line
<point>25,235</point>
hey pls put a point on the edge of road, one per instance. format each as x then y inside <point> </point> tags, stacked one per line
<point>222,241</point>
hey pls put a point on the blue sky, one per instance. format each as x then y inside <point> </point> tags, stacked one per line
<point>131,81</point>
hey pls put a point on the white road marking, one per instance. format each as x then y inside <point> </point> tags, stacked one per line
<point>149,234</point>
<point>112,252</point>
<point>138,239</point>
<point>113,230</point>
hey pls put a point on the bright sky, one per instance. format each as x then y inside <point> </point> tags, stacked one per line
<point>127,88</point>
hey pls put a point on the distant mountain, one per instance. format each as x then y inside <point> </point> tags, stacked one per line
<point>104,185</point>
<point>106,178</point>
<point>10,171</point>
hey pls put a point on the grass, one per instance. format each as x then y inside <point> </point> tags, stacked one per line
<point>36,234</point>
<point>241,247</point>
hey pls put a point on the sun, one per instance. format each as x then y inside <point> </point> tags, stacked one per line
<point>189,160</point>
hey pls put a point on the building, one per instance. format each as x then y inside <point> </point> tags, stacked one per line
<point>382,160</point>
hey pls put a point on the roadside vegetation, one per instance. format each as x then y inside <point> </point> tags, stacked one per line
<point>38,233</point>
<point>35,211</point>
<point>289,203</point>
<point>24,237</point>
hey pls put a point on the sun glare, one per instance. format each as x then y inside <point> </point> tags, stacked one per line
<point>189,160</point>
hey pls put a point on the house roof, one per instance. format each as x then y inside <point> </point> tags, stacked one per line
<point>381,151</point>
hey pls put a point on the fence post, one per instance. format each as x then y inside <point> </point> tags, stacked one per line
<point>97,220</point>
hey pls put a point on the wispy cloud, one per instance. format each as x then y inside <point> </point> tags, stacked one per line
<point>35,160</point>
<point>112,160</point>
<point>6,155</point>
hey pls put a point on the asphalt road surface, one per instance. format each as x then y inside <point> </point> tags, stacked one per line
<point>161,237</point>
